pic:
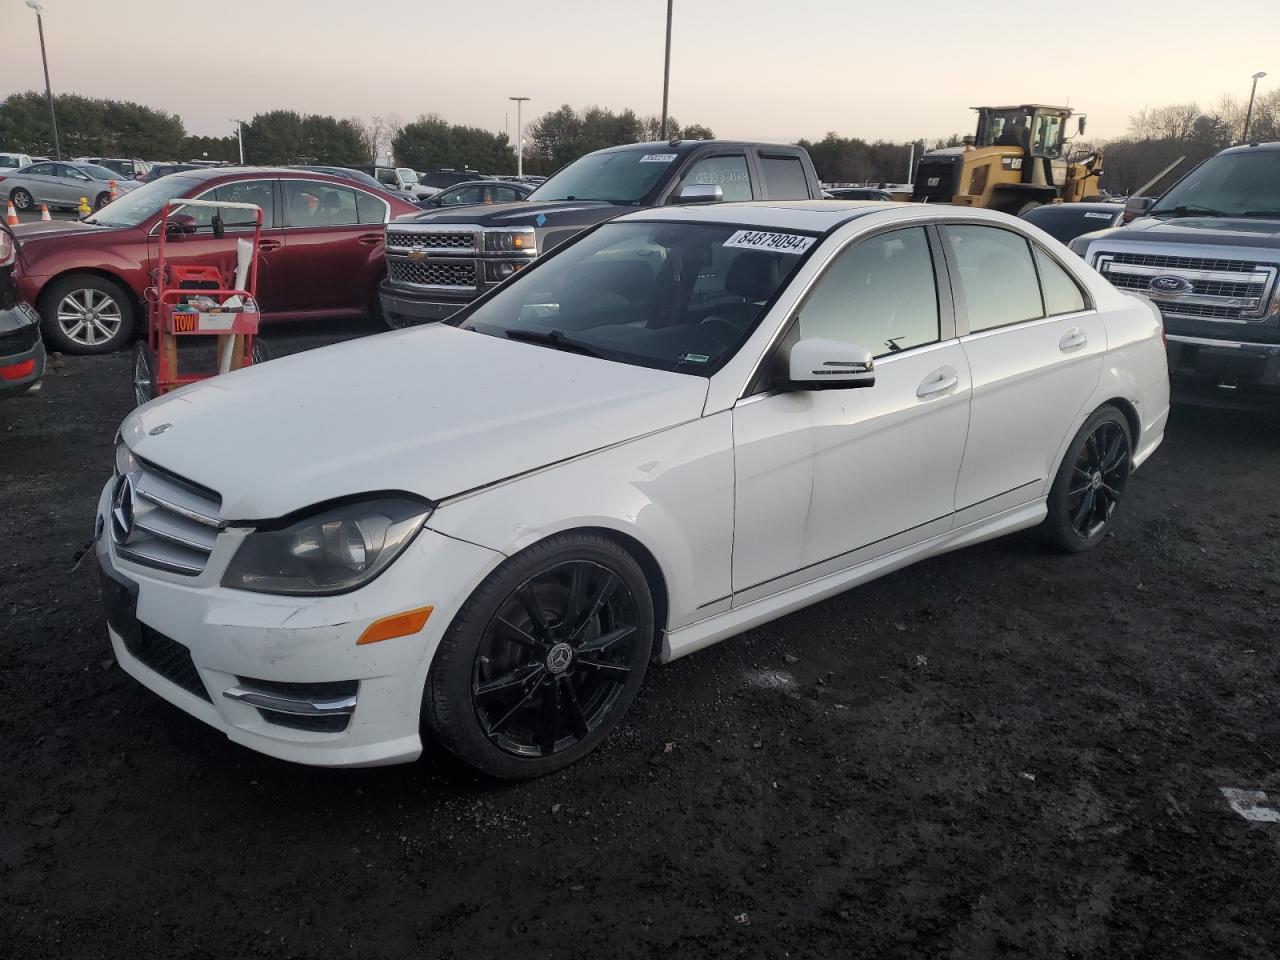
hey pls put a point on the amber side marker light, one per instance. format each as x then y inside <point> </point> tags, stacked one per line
<point>396,625</point>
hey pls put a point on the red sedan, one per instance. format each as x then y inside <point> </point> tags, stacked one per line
<point>321,253</point>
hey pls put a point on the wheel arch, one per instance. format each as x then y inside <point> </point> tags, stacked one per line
<point>653,573</point>
<point>101,273</point>
<point>1130,414</point>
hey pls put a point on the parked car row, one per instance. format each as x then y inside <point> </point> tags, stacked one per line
<point>62,185</point>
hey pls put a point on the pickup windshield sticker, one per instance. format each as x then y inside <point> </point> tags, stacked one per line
<point>657,158</point>
<point>774,242</point>
<point>1099,216</point>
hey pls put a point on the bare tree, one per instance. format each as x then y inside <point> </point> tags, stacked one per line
<point>1175,121</point>
<point>371,136</point>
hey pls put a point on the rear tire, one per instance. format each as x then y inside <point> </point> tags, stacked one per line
<point>86,314</point>
<point>22,200</point>
<point>544,658</point>
<point>1086,493</point>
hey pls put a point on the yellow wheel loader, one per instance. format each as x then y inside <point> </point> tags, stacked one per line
<point>1017,160</point>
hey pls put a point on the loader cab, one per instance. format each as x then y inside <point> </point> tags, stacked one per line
<point>1039,130</point>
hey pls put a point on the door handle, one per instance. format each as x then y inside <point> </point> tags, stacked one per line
<point>1072,339</point>
<point>266,246</point>
<point>940,381</point>
<point>370,239</point>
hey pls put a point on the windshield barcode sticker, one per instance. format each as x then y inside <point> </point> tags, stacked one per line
<point>657,158</point>
<point>1099,216</point>
<point>774,242</point>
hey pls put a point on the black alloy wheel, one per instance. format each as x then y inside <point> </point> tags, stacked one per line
<point>1098,478</point>
<point>144,373</point>
<point>544,658</point>
<point>1091,482</point>
<point>554,659</point>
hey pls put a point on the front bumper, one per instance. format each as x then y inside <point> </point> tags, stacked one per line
<point>22,363</point>
<point>1227,373</point>
<point>203,647</point>
<point>402,308</point>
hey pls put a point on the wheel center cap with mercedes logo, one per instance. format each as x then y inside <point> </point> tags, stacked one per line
<point>1170,286</point>
<point>559,658</point>
<point>122,509</point>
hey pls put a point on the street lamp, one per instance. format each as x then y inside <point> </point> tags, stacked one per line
<point>53,117</point>
<point>1248,115</point>
<point>666,74</point>
<point>240,137</point>
<point>520,101</point>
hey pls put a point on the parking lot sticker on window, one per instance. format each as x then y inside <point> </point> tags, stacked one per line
<point>1099,216</point>
<point>773,242</point>
<point>657,158</point>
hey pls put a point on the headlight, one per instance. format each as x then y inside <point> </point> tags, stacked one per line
<point>511,241</point>
<point>335,551</point>
<point>126,462</point>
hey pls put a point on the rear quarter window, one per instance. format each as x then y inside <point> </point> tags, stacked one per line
<point>784,178</point>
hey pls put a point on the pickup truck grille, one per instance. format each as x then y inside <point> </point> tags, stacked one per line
<point>437,273</point>
<point>1236,291</point>
<point>164,521</point>
<point>432,240</point>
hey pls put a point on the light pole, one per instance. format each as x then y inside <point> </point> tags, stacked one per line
<point>666,73</point>
<point>520,102</point>
<point>240,137</point>
<point>1248,114</point>
<point>53,117</point>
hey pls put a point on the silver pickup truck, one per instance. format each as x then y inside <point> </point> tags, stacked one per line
<point>1208,253</point>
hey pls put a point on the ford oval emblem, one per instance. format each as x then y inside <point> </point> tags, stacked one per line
<point>1171,286</point>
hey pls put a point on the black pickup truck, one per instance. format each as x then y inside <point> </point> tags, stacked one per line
<point>439,261</point>
<point>1208,254</point>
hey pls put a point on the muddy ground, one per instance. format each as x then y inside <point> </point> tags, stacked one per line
<point>1004,752</point>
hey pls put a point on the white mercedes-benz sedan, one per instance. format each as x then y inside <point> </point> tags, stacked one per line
<point>679,425</point>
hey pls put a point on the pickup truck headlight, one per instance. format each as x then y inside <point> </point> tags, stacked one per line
<point>334,551</point>
<point>511,241</point>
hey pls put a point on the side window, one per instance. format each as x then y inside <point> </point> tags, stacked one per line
<point>40,169</point>
<point>462,195</point>
<point>369,209</point>
<point>996,275</point>
<point>310,203</point>
<point>1047,137</point>
<point>259,192</point>
<point>67,173</point>
<point>729,172</point>
<point>784,178</point>
<point>880,294</point>
<point>1061,292</point>
<point>503,195</point>
<point>388,176</point>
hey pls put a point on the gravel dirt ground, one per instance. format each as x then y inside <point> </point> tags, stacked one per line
<point>1004,752</point>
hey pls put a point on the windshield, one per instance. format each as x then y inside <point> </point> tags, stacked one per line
<point>1003,128</point>
<point>137,205</point>
<point>618,176</point>
<point>674,296</point>
<point>97,172</point>
<point>407,176</point>
<point>1228,185</point>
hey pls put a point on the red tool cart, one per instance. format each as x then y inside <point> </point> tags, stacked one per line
<point>212,299</point>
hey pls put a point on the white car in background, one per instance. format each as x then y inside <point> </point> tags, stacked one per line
<point>682,424</point>
<point>14,161</point>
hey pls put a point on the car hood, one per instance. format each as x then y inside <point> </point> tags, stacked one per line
<point>434,411</point>
<point>523,213</point>
<point>42,230</point>
<point>1218,231</point>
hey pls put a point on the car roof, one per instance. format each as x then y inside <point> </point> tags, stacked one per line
<point>814,216</point>
<point>1245,147</point>
<point>495,181</point>
<point>683,146</point>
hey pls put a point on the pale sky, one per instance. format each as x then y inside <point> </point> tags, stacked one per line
<point>747,68</point>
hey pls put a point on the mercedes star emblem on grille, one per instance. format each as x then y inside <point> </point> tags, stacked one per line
<point>122,509</point>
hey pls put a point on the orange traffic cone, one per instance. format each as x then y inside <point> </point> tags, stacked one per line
<point>111,188</point>
<point>11,216</point>
<point>44,213</point>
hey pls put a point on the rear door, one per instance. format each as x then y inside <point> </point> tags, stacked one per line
<point>40,181</point>
<point>332,259</point>
<point>1035,347</point>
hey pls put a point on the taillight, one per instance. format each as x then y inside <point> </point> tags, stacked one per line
<point>6,248</point>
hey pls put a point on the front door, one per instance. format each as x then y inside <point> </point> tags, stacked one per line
<point>1035,347</point>
<point>826,479</point>
<point>203,247</point>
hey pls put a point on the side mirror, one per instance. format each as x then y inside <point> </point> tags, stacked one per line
<point>700,193</point>
<point>1080,126</point>
<point>818,364</point>
<point>180,225</point>
<point>1136,207</point>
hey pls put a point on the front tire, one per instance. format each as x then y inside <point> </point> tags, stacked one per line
<point>1090,484</point>
<point>86,314</point>
<point>544,658</point>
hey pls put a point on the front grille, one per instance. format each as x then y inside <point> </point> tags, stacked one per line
<point>18,341</point>
<point>460,273</point>
<point>937,180</point>
<point>1233,290</point>
<point>166,657</point>
<point>431,240</point>
<point>161,520</point>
